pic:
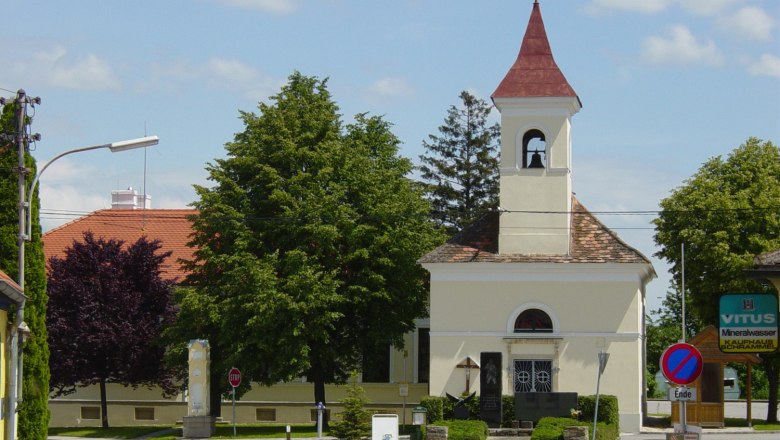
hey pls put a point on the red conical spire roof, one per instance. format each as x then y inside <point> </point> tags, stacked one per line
<point>534,73</point>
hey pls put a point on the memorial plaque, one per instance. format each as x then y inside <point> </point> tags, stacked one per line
<point>490,388</point>
<point>534,406</point>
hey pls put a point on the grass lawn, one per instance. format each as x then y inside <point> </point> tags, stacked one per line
<point>123,432</point>
<point>171,432</point>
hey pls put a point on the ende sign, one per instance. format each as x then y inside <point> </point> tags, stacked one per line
<point>748,323</point>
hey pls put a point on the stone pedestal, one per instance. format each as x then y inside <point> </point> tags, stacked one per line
<point>198,426</point>
<point>575,433</point>
<point>436,432</point>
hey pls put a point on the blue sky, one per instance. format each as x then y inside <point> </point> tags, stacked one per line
<point>665,84</point>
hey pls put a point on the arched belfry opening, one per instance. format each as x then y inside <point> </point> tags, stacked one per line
<point>534,149</point>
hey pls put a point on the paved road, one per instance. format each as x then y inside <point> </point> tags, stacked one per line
<point>732,409</point>
<point>707,435</point>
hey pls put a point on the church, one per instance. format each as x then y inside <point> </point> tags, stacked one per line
<point>540,283</point>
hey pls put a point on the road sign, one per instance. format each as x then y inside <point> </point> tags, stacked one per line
<point>234,377</point>
<point>681,363</point>
<point>682,394</point>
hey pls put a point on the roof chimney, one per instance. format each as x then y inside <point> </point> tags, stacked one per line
<point>130,199</point>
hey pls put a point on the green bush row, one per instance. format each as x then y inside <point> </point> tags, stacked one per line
<point>440,408</point>
<point>551,428</point>
<point>465,429</point>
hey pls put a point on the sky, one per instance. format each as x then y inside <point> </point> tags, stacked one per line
<point>665,85</point>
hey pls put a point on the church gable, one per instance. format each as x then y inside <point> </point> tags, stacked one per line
<point>591,242</point>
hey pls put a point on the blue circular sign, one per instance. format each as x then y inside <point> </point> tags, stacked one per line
<point>682,363</point>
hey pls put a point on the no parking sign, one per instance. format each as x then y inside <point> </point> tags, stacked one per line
<point>682,363</point>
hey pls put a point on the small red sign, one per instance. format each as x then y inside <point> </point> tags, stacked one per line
<point>234,377</point>
<point>682,363</point>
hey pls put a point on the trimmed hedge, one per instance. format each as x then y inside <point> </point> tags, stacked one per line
<point>435,408</point>
<point>608,409</point>
<point>551,428</point>
<point>465,429</point>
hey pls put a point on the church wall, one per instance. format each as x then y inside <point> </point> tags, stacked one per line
<point>592,309</point>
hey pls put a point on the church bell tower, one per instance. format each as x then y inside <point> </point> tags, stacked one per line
<point>536,105</point>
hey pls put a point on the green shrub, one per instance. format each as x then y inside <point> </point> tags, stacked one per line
<point>434,406</point>
<point>551,428</point>
<point>507,411</point>
<point>608,409</point>
<point>465,429</point>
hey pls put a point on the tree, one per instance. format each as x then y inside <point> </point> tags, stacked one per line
<point>309,239</point>
<point>355,423</point>
<point>33,411</point>
<point>107,309</point>
<point>460,166</point>
<point>727,213</point>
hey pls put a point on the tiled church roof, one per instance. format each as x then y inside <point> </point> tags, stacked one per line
<point>591,242</point>
<point>170,226</point>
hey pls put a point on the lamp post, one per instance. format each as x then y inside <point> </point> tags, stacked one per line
<point>25,234</point>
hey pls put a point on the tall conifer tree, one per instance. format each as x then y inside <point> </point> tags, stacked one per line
<point>460,167</point>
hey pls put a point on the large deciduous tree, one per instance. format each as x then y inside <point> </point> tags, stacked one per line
<point>108,307</point>
<point>460,165</point>
<point>306,245</point>
<point>725,214</point>
<point>33,410</point>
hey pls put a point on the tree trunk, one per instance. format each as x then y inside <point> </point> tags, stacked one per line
<point>215,395</point>
<point>103,404</point>
<point>772,369</point>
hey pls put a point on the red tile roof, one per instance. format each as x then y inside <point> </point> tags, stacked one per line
<point>591,242</point>
<point>170,226</point>
<point>534,73</point>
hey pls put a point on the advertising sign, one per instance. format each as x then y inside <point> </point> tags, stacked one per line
<point>748,323</point>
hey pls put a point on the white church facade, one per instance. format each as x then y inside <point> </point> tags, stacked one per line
<point>540,281</point>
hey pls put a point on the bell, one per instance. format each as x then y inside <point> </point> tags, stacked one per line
<point>536,161</point>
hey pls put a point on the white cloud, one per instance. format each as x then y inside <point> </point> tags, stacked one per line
<point>641,6</point>
<point>698,7</point>
<point>391,88</point>
<point>220,73</point>
<point>750,22</point>
<point>767,65</point>
<point>680,47</point>
<point>280,7</point>
<point>56,67</point>
<point>707,7</point>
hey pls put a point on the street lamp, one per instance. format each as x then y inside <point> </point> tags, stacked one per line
<point>20,330</point>
<point>115,147</point>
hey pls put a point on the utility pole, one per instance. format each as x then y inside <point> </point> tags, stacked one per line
<point>22,140</point>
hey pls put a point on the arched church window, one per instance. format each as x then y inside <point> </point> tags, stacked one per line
<point>534,149</point>
<point>533,321</point>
